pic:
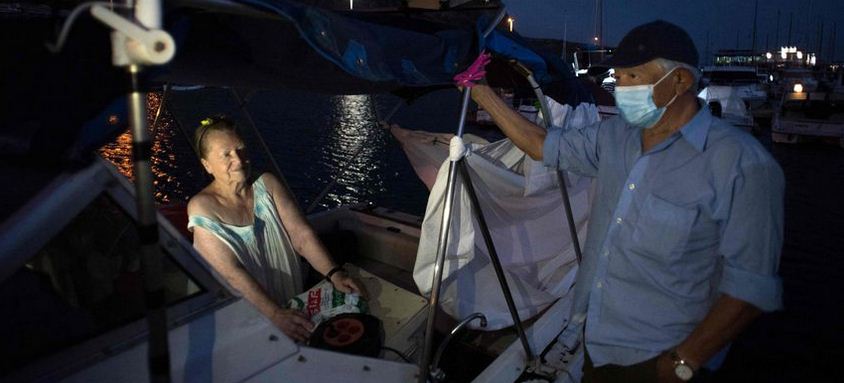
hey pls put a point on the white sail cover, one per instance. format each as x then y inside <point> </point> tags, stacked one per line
<point>733,108</point>
<point>522,204</point>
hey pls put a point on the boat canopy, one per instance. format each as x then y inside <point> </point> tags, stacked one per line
<point>60,107</point>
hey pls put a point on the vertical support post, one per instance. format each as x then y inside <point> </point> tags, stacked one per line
<point>241,102</point>
<point>493,256</point>
<point>445,226</point>
<point>158,353</point>
<point>561,179</point>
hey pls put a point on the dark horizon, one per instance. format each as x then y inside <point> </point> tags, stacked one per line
<point>727,24</point>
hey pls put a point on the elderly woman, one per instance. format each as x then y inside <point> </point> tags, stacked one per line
<point>250,230</point>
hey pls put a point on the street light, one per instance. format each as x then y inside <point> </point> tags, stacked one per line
<point>510,21</point>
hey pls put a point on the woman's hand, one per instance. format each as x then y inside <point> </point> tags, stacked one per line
<point>345,283</point>
<point>293,323</point>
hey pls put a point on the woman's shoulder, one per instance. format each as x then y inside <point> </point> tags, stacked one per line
<point>202,203</point>
<point>270,181</point>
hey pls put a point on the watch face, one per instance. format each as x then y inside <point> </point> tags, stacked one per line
<point>683,372</point>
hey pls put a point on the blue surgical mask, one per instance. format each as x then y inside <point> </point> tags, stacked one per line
<point>636,104</point>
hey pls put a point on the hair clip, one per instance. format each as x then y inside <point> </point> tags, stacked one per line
<point>206,121</point>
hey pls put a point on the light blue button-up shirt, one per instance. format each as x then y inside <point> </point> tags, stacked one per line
<point>698,215</point>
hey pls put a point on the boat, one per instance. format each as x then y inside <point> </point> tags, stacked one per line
<point>795,80</point>
<point>744,79</point>
<point>99,309</point>
<point>136,302</point>
<point>809,116</point>
<point>724,102</point>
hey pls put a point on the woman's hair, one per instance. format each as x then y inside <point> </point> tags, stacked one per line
<point>219,123</point>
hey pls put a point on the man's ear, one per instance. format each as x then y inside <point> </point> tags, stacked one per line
<point>686,80</point>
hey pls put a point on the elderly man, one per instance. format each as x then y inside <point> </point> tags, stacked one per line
<point>686,229</point>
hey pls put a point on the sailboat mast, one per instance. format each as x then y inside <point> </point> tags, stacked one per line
<point>790,24</point>
<point>753,45</point>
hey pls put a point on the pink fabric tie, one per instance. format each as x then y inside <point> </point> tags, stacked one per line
<point>475,72</point>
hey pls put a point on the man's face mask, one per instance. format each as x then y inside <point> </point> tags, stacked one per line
<point>636,104</point>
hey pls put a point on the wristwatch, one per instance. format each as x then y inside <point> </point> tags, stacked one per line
<point>334,270</point>
<point>682,368</point>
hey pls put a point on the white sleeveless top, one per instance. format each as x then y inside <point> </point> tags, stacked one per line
<point>263,248</point>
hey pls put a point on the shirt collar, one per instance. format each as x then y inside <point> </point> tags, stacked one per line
<point>697,129</point>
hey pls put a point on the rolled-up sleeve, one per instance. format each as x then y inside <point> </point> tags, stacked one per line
<point>573,149</point>
<point>751,205</point>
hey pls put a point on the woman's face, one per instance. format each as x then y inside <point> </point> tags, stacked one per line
<point>225,157</point>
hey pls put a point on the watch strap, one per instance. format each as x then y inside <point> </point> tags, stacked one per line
<point>333,271</point>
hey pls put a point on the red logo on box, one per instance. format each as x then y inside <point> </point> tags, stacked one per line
<point>314,299</point>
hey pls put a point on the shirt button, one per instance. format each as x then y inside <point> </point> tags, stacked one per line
<point>618,220</point>
<point>599,285</point>
<point>606,253</point>
<point>631,186</point>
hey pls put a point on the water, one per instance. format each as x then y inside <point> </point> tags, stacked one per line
<point>800,343</point>
<point>316,138</point>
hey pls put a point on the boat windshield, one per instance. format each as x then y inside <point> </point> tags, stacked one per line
<point>84,283</point>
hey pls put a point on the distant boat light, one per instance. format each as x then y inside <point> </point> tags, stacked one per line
<point>798,88</point>
<point>771,78</point>
<point>768,55</point>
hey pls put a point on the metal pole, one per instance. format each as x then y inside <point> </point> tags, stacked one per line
<point>439,375</point>
<point>494,23</point>
<point>445,225</point>
<point>561,179</point>
<point>276,168</point>
<point>753,45</point>
<point>158,353</point>
<point>496,262</point>
<point>565,35</point>
<point>790,24</point>
<point>161,102</point>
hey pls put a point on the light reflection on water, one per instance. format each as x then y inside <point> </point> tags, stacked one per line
<point>313,137</point>
<point>350,154</point>
<point>352,149</point>
<point>165,157</point>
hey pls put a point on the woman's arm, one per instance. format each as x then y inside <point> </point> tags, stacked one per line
<point>224,261</point>
<point>304,238</point>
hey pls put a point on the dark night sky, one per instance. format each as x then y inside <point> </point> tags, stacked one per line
<point>722,19</point>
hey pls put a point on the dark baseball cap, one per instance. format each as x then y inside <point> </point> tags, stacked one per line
<point>657,39</point>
